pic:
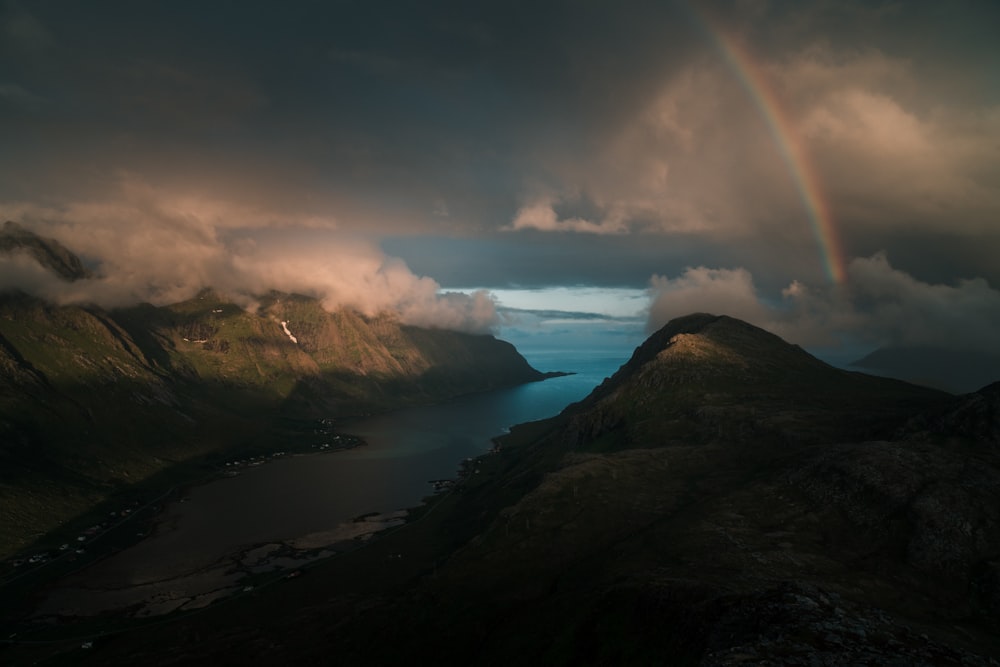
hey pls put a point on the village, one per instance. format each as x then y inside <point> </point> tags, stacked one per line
<point>73,551</point>
<point>83,549</point>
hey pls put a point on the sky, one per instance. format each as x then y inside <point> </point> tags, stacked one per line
<point>549,171</point>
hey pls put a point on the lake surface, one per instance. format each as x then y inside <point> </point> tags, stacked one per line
<point>405,450</point>
<point>307,501</point>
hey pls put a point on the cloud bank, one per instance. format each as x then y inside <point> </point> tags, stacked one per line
<point>592,144</point>
<point>878,306</point>
<point>149,247</point>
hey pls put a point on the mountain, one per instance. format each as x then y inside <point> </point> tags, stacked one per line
<point>714,377</point>
<point>723,499</point>
<point>955,370</point>
<point>47,252</point>
<point>93,400</point>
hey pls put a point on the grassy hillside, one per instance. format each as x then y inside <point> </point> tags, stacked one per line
<point>94,401</point>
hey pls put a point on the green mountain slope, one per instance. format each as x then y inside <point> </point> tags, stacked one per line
<point>93,401</point>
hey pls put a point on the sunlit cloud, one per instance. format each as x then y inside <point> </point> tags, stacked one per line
<point>878,306</point>
<point>151,247</point>
<point>532,156</point>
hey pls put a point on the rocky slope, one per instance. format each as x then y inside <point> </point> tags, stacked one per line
<point>728,498</point>
<point>724,499</point>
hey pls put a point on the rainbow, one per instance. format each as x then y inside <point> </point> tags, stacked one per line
<point>794,154</point>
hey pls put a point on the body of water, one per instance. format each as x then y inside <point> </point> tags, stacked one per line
<point>302,499</point>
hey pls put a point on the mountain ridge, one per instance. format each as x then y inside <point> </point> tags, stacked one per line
<point>49,253</point>
<point>956,370</point>
<point>716,370</point>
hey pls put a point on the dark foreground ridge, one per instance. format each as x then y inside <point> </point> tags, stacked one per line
<point>724,499</point>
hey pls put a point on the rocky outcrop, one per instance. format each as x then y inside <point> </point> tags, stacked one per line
<point>935,511</point>
<point>974,417</point>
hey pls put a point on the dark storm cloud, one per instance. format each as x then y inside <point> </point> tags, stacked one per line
<point>391,111</point>
<point>534,258</point>
<point>509,143</point>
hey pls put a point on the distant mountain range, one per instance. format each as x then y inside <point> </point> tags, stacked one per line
<point>724,499</point>
<point>92,400</point>
<point>959,371</point>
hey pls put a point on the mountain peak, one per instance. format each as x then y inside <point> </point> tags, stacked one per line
<point>46,251</point>
<point>702,345</point>
<point>714,376</point>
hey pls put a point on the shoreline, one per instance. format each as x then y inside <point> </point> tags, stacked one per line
<point>69,600</point>
<point>135,518</point>
<point>232,575</point>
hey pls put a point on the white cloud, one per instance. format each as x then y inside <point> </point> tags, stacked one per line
<point>878,305</point>
<point>152,247</point>
<point>719,291</point>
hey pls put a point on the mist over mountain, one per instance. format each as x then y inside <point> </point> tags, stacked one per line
<point>94,399</point>
<point>170,258</point>
<point>49,253</point>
